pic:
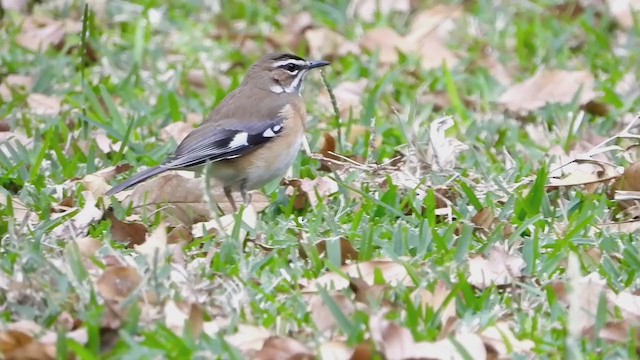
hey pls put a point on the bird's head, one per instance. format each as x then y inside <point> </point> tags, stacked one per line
<point>281,73</point>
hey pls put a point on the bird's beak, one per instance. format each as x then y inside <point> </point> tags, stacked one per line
<point>317,63</point>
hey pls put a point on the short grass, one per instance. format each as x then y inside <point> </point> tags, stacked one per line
<point>139,84</point>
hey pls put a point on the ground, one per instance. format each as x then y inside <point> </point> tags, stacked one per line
<point>469,191</point>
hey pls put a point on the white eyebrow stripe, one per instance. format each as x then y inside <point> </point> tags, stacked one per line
<point>290,61</point>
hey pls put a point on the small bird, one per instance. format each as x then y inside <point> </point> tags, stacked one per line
<point>253,135</point>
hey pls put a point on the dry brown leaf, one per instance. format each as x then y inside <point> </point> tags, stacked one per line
<point>367,9</point>
<point>182,200</point>
<point>8,138</point>
<point>105,144</point>
<point>45,105</point>
<point>503,342</point>
<point>307,192</point>
<point>396,342</point>
<point>179,317</point>
<point>118,282</point>
<point>88,246</point>
<point>21,6</point>
<point>131,233</point>
<point>627,227</point>
<point>393,273</point>
<point>40,33</point>
<point>97,183</point>
<point>179,130</point>
<point>321,314</point>
<point>16,345</point>
<point>248,338</point>
<point>629,181</point>
<point>385,42</point>
<point>616,332</point>
<point>78,225</point>
<point>14,82</point>
<point>212,227</point>
<point>327,44</point>
<point>277,347</point>
<point>179,234</point>
<point>336,350</point>
<point>368,294</point>
<point>498,268</point>
<point>347,251</point>
<point>484,218</point>
<point>292,33</point>
<point>155,246</point>
<point>436,300</point>
<point>549,87</point>
<point>428,32</point>
<point>623,11</point>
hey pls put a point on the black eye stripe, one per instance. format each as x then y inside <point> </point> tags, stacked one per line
<point>290,67</point>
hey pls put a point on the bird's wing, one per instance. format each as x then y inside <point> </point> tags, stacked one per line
<point>228,139</point>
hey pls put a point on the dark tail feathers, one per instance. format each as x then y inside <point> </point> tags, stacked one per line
<point>136,179</point>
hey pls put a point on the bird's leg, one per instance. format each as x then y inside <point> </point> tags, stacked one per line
<point>246,197</point>
<point>229,195</point>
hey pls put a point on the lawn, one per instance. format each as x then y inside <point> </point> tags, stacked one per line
<point>470,190</point>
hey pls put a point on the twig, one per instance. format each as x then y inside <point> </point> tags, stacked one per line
<point>588,155</point>
<point>336,111</point>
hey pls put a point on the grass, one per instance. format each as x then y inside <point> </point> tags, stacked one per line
<point>138,83</point>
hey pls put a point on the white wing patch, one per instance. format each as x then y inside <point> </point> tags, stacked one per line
<point>239,140</point>
<point>272,131</point>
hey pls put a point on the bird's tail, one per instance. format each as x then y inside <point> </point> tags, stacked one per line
<point>136,179</point>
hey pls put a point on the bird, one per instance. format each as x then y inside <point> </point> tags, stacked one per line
<point>254,134</point>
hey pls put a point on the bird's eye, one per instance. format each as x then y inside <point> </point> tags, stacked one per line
<point>291,67</point>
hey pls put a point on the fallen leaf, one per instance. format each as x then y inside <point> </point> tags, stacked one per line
<point>616,332</point>
<point>182,200</point>
<point>117,283</point>
<point>549,87</point>
<point>88,246</point>
<point>98,182</point>
<point>321,313</point>
<point>78,225</point>
<point>498,268</point>
<point>13,140</point>
<point>435,300</point>
<point>179,130</point>
<point>623,11</point>
<point>15,82</point>
<point>367,9</point>
<point>292,33</point>
<point>393,272</point>
<point>18,345</point>
<point>277,347</point>
<point>155,246</point>
<point>483,218</point>
<point>307,192</point>
<point>428,32</point>
<point>40,33</point>
<point>45,105</point>
<point>248,338</point>
<point>130,233</point>
<point>212,227</point>
<point>384,42</point>
<point>347,251</point>
<point>327,44</point>
<point>105,144</point>
<point>396,342</point>
<point>336,350</point>
<point>503,342</point>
